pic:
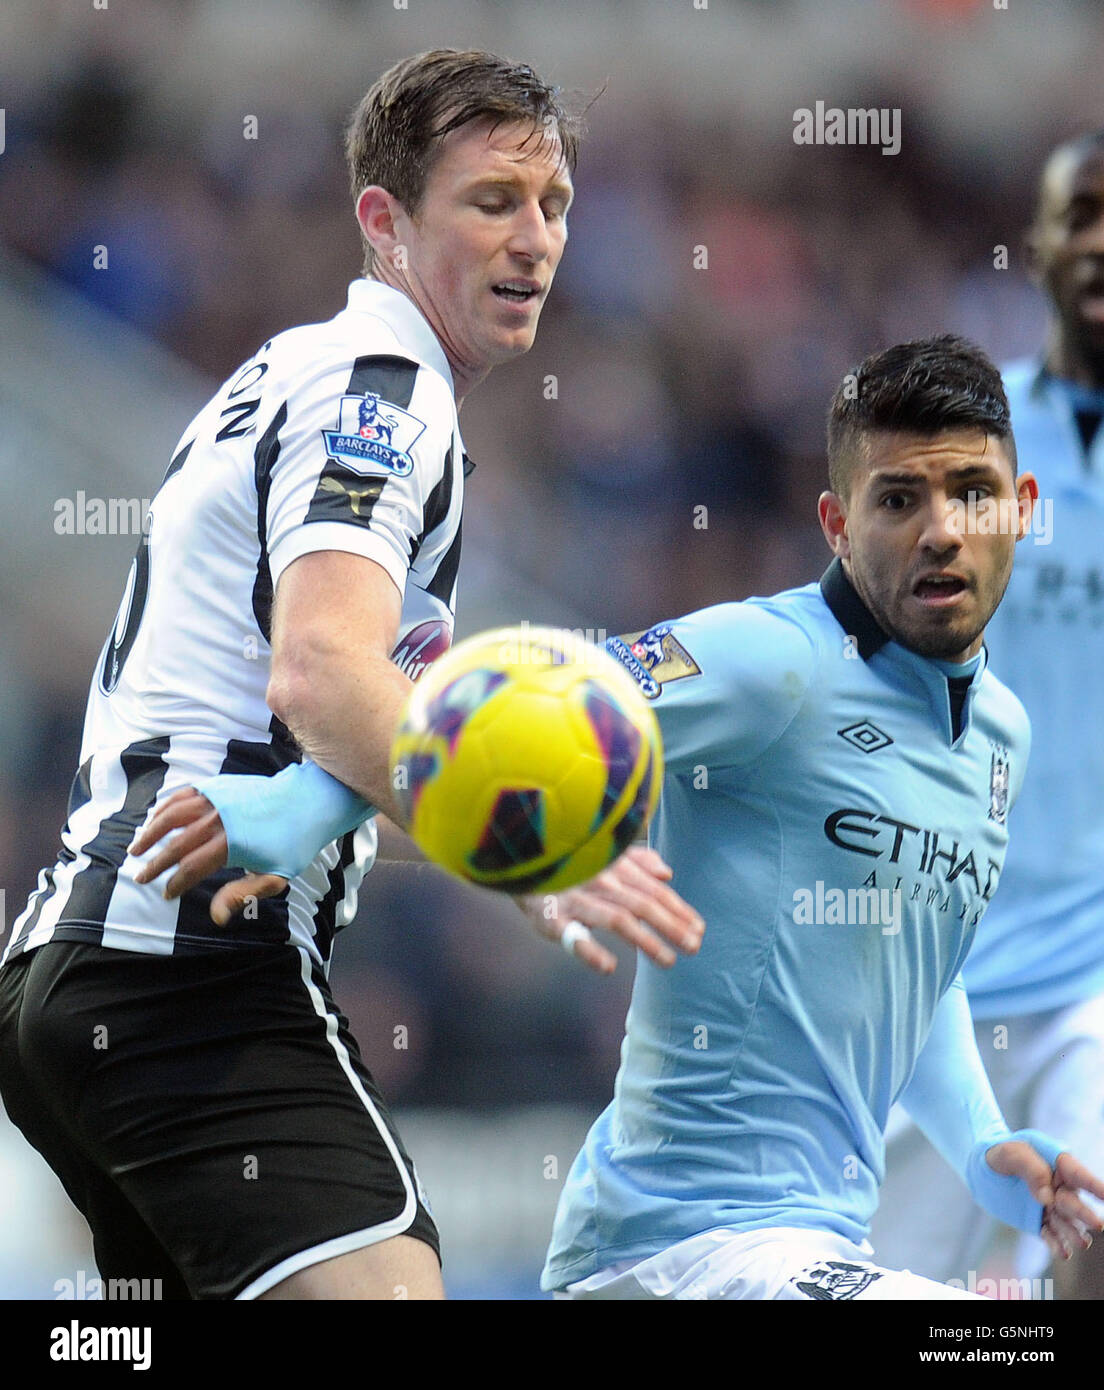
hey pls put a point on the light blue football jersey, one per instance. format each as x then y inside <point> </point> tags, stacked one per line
<point>1042,943</point>
<point>808,757</point>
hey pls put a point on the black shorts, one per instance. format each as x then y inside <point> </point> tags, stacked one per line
<point>209,1114</point>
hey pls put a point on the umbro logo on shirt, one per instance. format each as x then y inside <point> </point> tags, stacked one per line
<point>865,736</point>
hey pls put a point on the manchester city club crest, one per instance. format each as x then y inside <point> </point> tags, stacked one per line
<point>372,433</point>
<point>835,1280</point>
<point>998,785</point>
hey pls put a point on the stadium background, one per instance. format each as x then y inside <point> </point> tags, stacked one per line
<point>677,387</point>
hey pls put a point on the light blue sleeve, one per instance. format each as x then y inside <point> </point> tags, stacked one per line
<point>725,682</point>
<point>949,1094</point>
<point>276,825</point>
<point>951,1099</point>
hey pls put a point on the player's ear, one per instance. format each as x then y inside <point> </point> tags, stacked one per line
<point>832,512</point>
<point>1027,497</point>
<point>377,212</point>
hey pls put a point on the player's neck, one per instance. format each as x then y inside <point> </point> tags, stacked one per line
<point>464,376</point>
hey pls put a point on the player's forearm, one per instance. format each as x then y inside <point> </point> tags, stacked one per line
<point>950,1096</point>
<point>343,713</point>
<point>952,1101</point>
<point>277,825</point>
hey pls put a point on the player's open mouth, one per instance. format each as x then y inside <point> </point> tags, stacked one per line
<point>940,590</point>
<point>517,291</point>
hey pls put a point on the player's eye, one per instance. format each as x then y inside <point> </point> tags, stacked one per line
<point>895,501</point>
<point>974,495</point>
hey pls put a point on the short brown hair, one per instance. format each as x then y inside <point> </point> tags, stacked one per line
<point>397,128</point>
<point>922,387</point>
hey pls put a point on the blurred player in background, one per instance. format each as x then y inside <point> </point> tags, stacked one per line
<point>840,765</point>
<point>1035,975</point>
<point>199,1093</point>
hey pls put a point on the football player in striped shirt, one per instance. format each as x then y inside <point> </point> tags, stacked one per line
<point>198,1092</point>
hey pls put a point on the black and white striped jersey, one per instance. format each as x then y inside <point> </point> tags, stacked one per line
<point>335,436</point>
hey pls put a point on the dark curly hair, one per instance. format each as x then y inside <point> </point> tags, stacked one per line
<point>921,387</point>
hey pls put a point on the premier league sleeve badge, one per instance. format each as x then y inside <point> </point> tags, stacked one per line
<point>653,658</point>
<point>373,433</point>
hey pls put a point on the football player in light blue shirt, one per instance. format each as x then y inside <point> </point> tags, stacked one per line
<point>840,766</point>
<point>1045,943</point>
<point>1035,975</point>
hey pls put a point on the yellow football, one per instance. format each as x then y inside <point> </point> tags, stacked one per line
<point>526,759</point>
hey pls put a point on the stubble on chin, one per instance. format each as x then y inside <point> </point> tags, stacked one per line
<point>934,642</point>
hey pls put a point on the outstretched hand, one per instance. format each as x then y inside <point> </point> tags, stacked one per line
<point>1068,1224</point>
<point>631,899</point>
<point>199,848</point>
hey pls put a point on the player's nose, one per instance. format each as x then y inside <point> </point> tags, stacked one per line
<point>943,524</point>
<point>529,235</point>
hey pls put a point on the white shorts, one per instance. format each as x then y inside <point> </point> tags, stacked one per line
<point>1047,1071</point>
<point>776,1262</point>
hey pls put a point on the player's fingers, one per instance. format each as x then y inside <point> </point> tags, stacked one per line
<point>1039,1184</point>
<point>1054,1243</point>
<point>176,809</point>
<point>1071,1172</point>
<point>1016,1159</point>
<point>644,876</point>
<point>186,840</point>
<point>645,907</point>
<point>625,873</point>
<point>649,859</point>
<point>575,938</point>
<point>595,911</point>
<point>641,865</point>
<point>233,897</point>
<point>181,809</point>
<point>578,941</point>
<point>195,867</point>
<point>1073,1235</point>
<point>1069,1205</point>
<point>1070,1237</point>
